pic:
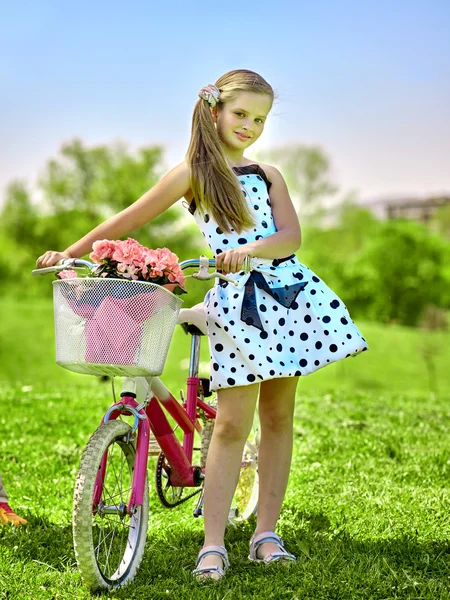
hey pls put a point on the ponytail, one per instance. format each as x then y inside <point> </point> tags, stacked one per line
<point>213,184</point>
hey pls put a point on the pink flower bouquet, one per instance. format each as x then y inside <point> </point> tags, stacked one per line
<point>130,260</point>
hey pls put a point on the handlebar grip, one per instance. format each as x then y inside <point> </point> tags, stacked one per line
<point>65,263</point>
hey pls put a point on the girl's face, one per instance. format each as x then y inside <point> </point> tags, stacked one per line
<point>240,121</point>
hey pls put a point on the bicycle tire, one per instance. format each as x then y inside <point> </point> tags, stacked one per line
<point>106,560</point>
<point>245,499</point>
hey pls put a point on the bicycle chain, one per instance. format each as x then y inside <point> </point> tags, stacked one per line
<point>159,487</point>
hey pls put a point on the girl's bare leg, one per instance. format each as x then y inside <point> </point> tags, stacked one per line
<point>276,413</point>
<point>236,408</point>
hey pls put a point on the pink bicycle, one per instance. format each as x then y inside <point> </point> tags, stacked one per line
<point>123,328</point>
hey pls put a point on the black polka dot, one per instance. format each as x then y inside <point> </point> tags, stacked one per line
<point>318,345</point>
<point>303,362</point>
<point>272,372</point>
<point>242,240</point>
<point>251,377</point>
<point>218,347</point>
<point>326,319</point>
<point>231,381</point>
<point>335,304</point>
<point>304,336</point>
<point>307,319</point>
<point>215,366</point>
<point>263,335</point>
<point>206,218</point>
<point>333,348</point>
<point>279,347</point>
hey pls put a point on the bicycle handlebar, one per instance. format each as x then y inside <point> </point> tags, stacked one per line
<point>76,263</point>
<point>203,264</point>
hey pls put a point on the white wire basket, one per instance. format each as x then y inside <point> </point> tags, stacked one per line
<point>113,326</point>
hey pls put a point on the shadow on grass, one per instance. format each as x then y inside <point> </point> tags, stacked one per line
<point>330,565</point>
<point>41,541</point>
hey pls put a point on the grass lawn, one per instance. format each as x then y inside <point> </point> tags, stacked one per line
<point>367,509</point>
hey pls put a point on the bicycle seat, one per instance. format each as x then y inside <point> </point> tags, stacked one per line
<point>193,319</point>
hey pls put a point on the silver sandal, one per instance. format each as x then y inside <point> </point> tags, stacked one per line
<point>206,572</point>
<point>269,536</point>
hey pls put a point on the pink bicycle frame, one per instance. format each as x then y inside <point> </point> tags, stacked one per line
<point>183,473</point>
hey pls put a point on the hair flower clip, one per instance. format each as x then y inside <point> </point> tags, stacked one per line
<point>211,94</point>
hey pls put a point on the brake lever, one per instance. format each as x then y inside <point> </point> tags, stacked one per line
<point>203,276</point>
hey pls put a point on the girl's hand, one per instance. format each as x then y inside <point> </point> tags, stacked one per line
<point>231,261</point>
<point>50,258</point>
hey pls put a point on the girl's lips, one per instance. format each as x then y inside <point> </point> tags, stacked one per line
<point>242,136</point>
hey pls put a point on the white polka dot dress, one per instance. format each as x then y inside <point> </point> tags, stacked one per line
<point>281,320</point>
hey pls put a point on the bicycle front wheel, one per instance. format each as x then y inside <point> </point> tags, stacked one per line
<point>109,541</point>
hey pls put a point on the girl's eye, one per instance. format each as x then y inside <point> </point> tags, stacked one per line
<point>239,114</point>
<point>259,121</point>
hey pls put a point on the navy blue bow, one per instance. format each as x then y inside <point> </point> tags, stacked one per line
<point>283,295</point>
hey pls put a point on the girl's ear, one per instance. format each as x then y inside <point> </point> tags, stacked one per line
<point>214,114</point>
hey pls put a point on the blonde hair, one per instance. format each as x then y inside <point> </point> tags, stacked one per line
<point>213,184</point>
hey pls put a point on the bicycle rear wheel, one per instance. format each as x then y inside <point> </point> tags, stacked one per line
<point>245,499</point>
<point>109,541</point>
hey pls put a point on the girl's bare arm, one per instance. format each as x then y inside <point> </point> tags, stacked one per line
<point>284,242</point>
<point>173,186</point>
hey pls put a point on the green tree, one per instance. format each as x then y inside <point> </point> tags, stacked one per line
<point>306,170</point>
<point>80,189</point>
<point>401,270</point>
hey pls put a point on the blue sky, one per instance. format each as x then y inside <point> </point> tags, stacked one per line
<point>368,81</point>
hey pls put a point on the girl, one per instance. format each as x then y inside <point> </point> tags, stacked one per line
<point>281,321</point>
